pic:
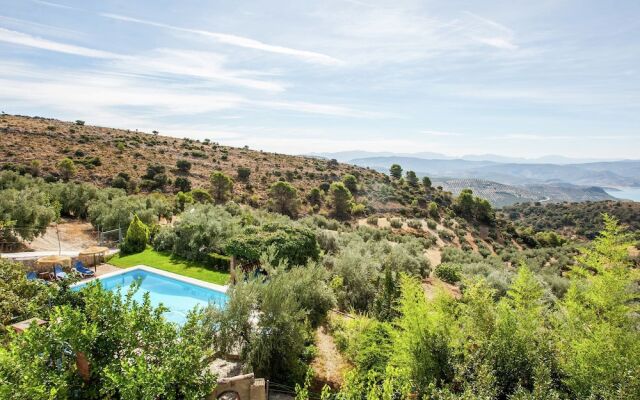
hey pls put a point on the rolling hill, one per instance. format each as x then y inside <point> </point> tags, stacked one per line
<point>38,144</point>
<point>504,195</point>
<point>608,174</point>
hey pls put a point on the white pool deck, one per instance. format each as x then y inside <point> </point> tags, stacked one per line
<point>186,279</point>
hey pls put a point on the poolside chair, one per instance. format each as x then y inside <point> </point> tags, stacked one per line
<point>58,273</point>
<point>33,276</point>
<point>82,270</point>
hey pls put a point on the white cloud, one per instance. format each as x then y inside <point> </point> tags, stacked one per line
<point>490,22</point>
<point>531,136</point>
<point>51,4</point>
<point>441,133</point>
<point>497,42</point>
<point>238,41</point>
<point>24,39</point>
<point>314,108</point>
<point>205,66</point>
<point>122,94</point>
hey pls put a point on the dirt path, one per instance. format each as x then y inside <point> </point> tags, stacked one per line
<point>329,365</point>
<point>74,235</point>
<point>432,285</point>
<point>434,255</point>
<point>469,238</point>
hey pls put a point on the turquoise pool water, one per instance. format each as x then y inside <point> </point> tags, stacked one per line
<point>178,296</point>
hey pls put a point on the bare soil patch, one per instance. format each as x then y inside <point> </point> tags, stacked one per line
<point>432,285</point>
<point>71,235</point>
<point>329,365</point>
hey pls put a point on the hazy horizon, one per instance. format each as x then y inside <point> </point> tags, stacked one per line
<point>539,79</point>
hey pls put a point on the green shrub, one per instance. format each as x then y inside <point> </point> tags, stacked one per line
<point>445,234</point>
<point>136,238</point>
<point>431,224</point>
<point>396,223</point>
<point>182,184</point>
<point>415,224</point>
<point>133,352</point>
<point>243,174</point>
<point>183,165</point>
<point>218,261</point>
<point>448,272</point>
<point>358,209</point>
<point>372,220</point>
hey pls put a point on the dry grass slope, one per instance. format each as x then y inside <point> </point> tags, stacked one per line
<point>47,141</point>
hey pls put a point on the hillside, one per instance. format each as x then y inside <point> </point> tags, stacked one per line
<point>582,219</point>
<point>100,154</point>
<point>607,174</point>
<point>501,195</point>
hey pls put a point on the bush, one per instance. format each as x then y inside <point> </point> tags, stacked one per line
<point>351,182</point>
<point>182,184</point>
<point>221,187</point>
<point>199,232</point>
<point>218,261</point>
<point>201,196</point>
<point>293,243</point>
<point>20,298</point>
<point>133,352</point>
<point>283,199</point>
<point>396,223</point>
<point>136,238</point>
<point>183,165</point>
<point>449,273</point>
<point>445,234</point>
<point>372,220</point>
<point>315,197</point>
<point>67,168</point>
<point>358,209</point>
<point>243,174</point>
<point>431,224</point>
<point>341,199</point>
<point>415,224</point>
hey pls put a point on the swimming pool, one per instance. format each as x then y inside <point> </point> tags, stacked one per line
<point>178,293</point>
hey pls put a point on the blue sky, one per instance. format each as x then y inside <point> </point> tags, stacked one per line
<point>520,78</point>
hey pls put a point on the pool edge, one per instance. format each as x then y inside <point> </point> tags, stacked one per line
<point>193,281</point>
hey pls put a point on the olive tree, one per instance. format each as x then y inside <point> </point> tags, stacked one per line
<point>284,198</point>
<point>396,171</point>
<point>341,200</point>
<point>221,187</point>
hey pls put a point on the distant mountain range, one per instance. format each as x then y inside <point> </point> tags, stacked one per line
<point>507,180</point>
<point>602,174</point>
<point>501,195</point>
<point>347,156</point>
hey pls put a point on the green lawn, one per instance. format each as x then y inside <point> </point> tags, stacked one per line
<point>170,263</point>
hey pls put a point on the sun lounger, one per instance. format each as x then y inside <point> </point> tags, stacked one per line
<point>82,270</point>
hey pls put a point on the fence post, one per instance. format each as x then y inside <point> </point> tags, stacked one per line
<point>58,235</point>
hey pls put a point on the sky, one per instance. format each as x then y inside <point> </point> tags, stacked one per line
<point>514,78</point>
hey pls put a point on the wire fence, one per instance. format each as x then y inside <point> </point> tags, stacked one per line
<point>276,389</point>
<point>12,238</point>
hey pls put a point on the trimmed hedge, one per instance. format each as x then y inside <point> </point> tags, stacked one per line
<point>218,261</point>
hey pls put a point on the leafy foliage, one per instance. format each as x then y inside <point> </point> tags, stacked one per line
<point>131,350</point>
<point>136,238</point>
<point>341,200</point>
<point>67,168</point>
<point>519,347</point>
<point>221,187</point>
<point>20,298</point>
<point>293,243</point>
<point>284,199</point>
